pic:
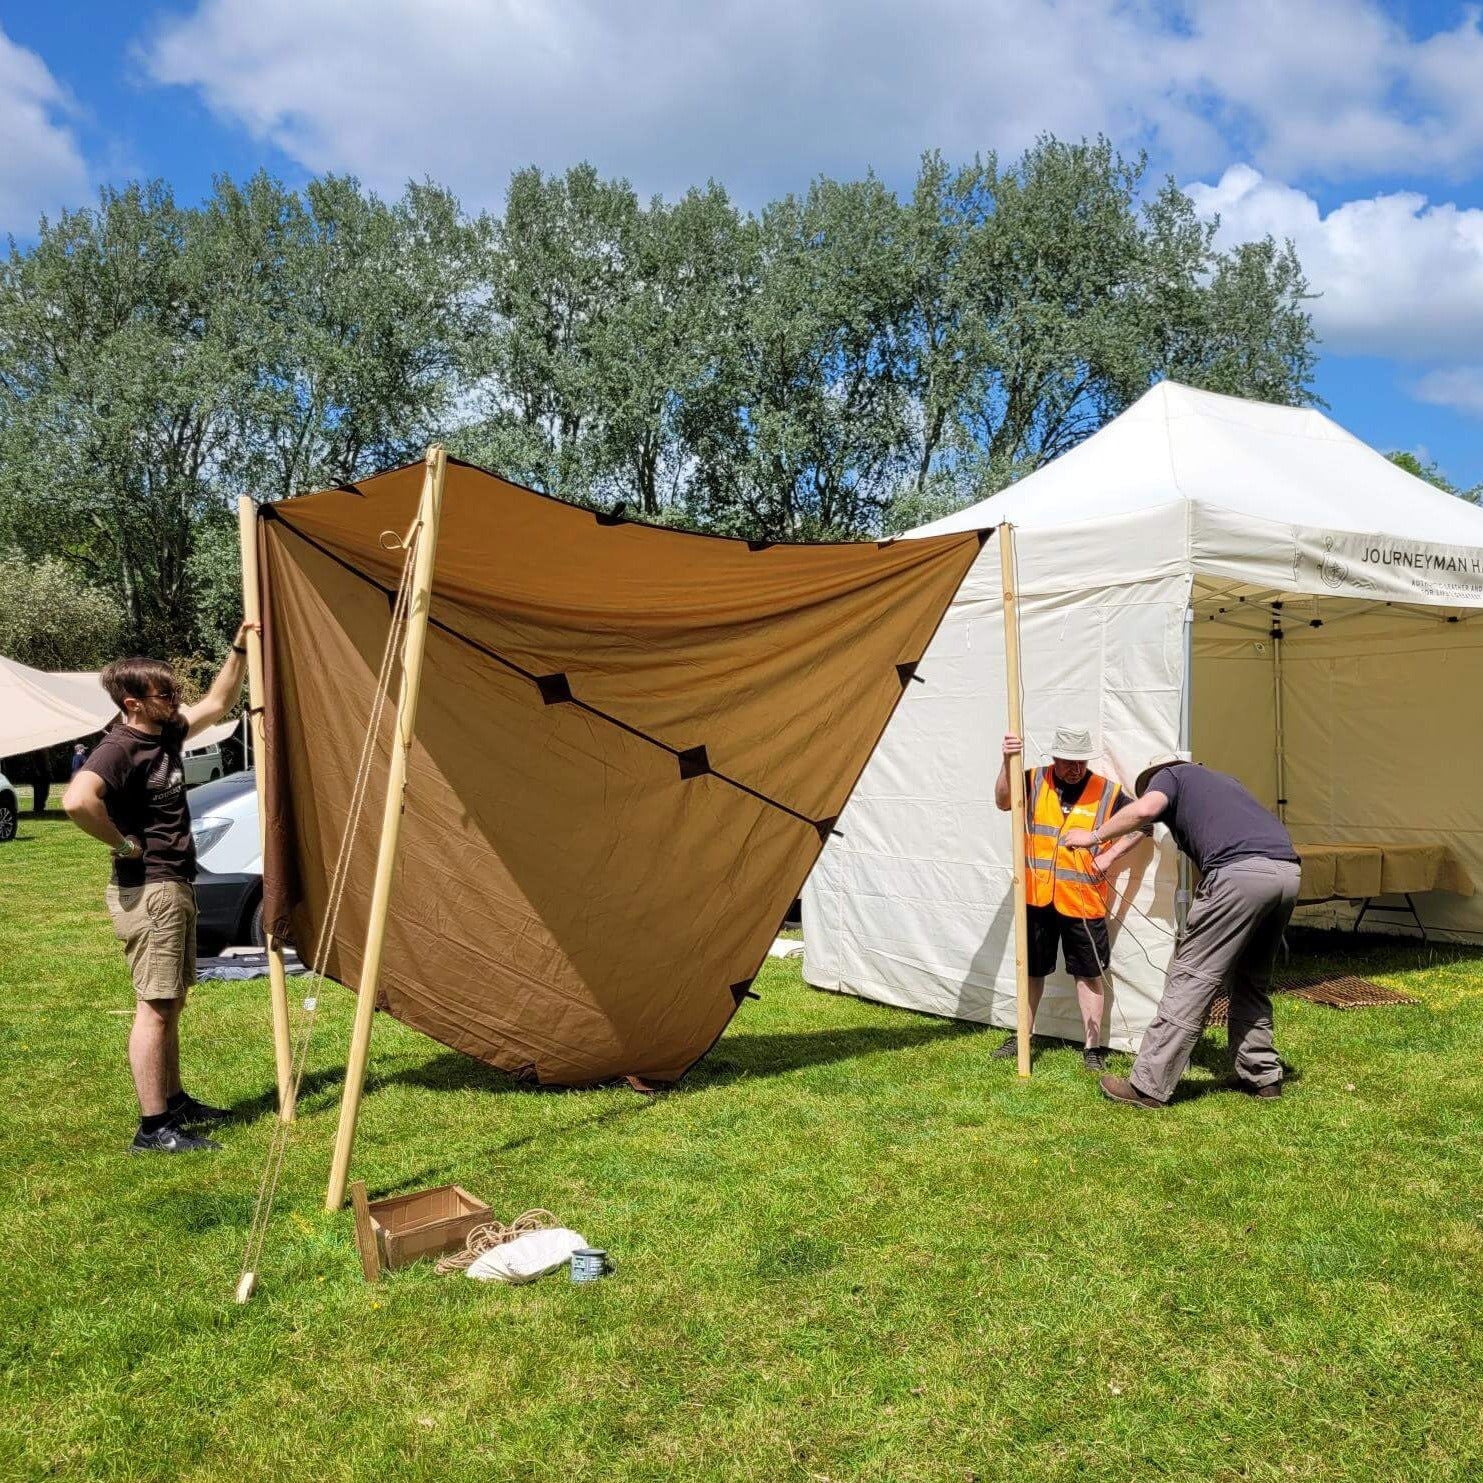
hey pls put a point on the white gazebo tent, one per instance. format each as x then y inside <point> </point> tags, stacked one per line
<point>1157,563</point>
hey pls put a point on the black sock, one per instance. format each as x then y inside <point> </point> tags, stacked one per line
<point>152,1122</point>
<point>181,1099</point>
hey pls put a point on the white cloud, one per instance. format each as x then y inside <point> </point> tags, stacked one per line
<point>1459,387</point>
<point>41,166</point>
<point>1397,275</point>
<point>766,93</point>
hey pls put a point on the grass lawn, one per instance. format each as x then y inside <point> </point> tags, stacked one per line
<point>850,1246</point>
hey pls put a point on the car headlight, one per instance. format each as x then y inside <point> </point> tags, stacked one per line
<point>208,831</point>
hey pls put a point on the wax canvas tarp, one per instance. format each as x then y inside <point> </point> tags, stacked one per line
<point>631,744</point>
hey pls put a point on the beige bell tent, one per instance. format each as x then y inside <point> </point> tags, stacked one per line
<point>630,744</point>
<point>1247,581</point>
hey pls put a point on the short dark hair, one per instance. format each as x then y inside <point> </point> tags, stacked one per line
<point>136,677</point>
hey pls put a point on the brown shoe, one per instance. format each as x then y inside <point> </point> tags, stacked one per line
<point>1120,1089</point>
<point>1267,1092</point>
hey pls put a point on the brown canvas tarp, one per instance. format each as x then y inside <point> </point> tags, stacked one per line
<point>631,743</point>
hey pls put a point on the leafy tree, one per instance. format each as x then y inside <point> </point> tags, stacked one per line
<point>1051,299</point>
<point>836,363</point>
<point>561,266</point>
<point>156,361</point>
<point>804,430</point>
<point>112,386</point>
<point>357,319</point>
<point>1433,475</point>
<point>50,619</point>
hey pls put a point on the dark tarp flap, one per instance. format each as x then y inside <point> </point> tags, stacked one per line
<point>630,745</point>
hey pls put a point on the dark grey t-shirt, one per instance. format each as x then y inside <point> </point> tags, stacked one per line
<point>144,793</point>
<point>1214,819</point>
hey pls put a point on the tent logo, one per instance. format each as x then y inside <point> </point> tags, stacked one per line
<point>1331,570</point>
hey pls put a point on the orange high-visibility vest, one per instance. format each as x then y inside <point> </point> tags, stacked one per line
<point>1056,876</point>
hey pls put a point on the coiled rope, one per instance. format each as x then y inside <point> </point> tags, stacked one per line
<point>491,1234</point>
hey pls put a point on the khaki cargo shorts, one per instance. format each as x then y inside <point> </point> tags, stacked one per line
<point>156,923</point>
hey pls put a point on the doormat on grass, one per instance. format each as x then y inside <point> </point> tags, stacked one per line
<point>1343,991</point>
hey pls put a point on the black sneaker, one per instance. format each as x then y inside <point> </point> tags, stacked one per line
<point>171,1140</point>
<point>1094,1058</point>
<point>191,1113</point>
<point>1010,1050</point>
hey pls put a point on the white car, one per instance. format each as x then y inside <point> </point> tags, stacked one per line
<point>229,859</point>
<point>10,809</point>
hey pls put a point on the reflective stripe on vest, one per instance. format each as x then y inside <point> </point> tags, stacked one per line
<point>1056,876</point>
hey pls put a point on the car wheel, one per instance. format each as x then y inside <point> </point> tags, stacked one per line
<point>7,819</point>
<point>256,934</point>
<point>215,773</point>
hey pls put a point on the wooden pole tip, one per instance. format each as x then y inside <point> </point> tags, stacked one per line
<point>246,1286</point>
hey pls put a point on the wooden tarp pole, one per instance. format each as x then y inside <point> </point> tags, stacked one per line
<point>1185,883</point>
<point>1005,535</point>
<point>428,513</point>
<point>252,610</point>
<point>1277,711</point>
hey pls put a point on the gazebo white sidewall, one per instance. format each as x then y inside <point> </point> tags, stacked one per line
<point>911,904</point>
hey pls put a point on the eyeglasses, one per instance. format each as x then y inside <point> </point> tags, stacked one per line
<point>160,695</point>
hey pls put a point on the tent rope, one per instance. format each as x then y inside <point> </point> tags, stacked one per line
<point>278,1146</point>
<point>491,1234</point>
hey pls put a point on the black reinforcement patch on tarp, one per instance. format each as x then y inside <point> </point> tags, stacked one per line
<point>694,762</point>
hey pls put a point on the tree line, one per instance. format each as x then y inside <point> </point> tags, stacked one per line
<point>835,364</point>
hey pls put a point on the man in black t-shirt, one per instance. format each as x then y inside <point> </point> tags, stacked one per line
<point>1249,875</point>
<point>130,794</point>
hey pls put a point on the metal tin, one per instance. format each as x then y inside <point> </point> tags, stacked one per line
<point>589,1263</point>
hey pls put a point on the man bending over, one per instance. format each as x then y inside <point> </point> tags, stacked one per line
<point>1249,875</point>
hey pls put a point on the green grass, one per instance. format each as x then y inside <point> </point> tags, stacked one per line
<point>850,1247</point>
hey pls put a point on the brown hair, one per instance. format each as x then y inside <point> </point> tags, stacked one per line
<point>136,677</point>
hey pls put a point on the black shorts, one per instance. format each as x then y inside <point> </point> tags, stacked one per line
<point>1084,943</point>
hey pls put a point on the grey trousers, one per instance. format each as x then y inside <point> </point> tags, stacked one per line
<point>1229,943</point>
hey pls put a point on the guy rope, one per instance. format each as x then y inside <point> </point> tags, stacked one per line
<point>278,1147</point>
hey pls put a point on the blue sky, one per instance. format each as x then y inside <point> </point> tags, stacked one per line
<point>1355,128</point>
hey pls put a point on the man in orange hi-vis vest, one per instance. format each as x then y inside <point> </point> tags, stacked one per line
<point>1066,892</point>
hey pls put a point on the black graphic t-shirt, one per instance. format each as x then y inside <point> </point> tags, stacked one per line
<point>144,793</point>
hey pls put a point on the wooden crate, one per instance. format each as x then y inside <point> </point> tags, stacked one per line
<point>431,1222</point>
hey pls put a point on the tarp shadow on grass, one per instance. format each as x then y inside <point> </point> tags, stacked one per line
<point>737,1055</point>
